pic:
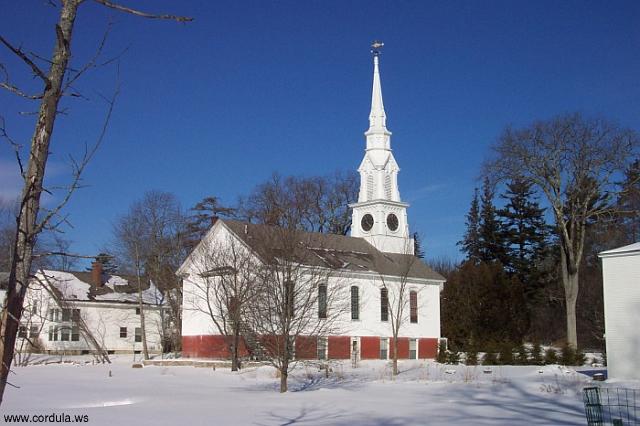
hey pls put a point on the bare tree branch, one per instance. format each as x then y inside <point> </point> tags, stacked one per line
<point>126,9</point>
<point>19,53</point>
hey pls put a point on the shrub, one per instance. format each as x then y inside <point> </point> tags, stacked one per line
<point>580,358</point>
<point>506,354</point>
<point>522,357</point>
<point>550,356</point>
<point>472,357</point>
<point>453,357</point>
<point>567,355</point>
<point>536,354</point>
<point>489,359</point>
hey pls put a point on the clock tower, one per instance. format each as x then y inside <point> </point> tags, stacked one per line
<point>380,216</point>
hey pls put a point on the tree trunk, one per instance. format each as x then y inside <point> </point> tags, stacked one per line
<point>395,356</point>
<point>30,202</point>
<point>143,328</point>
<point>570,285</point>
<point>284,372</point>
<point>234,351</point>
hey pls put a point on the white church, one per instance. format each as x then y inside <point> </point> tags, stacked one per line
<point>367,268</point>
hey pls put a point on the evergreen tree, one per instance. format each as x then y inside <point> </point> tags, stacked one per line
<point>471,241</point>
<point>204,214</point>
<point>417,246</point>
<point>629,203</point>
<point>108,265</point>
<point>491,239</point>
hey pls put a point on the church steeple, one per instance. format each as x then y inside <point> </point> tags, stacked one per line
<point>377,116</point>
<point>380,216</point>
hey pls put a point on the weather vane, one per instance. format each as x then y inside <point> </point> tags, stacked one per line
<point>376,46</point>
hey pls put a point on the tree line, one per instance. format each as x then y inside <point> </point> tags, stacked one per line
<point>569,187</point>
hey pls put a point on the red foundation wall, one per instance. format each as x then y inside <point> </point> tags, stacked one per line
<point>369,347</point>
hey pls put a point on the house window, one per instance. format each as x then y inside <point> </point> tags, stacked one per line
<point>413,306</point>
<point>22,331</point>
<point>384,348</point>
<point>413,349</point>
<point>123,332</point>
<point>137,311</point>
<point>34,332</point>
<point>322,301</point>
<point>34,308</point>
<point>53,333</point>
<point>75,333</point>
<point>138,334</point>
<point>54,315</point>
<point>64,334</point>
<point>66,315</point>
<point>355,303</point>
<point>75,315</point>
<point>322,348</point>
<point>384,304</point>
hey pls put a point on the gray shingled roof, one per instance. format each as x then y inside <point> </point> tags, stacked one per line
<point>330,250</point>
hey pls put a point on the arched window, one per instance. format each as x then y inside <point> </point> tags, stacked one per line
<point>413,306</point>
<point>355,303</point>
<point>322,301</point>
<point>384,304</point>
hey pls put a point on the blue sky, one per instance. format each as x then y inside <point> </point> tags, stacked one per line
<point>252,87</point>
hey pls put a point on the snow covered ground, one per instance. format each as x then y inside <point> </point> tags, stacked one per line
<point>424,393</point>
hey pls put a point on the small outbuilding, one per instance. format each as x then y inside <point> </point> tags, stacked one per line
<point>621,281</point>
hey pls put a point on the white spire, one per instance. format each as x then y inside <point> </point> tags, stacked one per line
<point>377,116</point>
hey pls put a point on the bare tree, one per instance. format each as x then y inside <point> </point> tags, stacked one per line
<point>317,203</point>
<point>149,242</point>
<point>31,220</point>
<point>575,162</point>
<point>396,293</point>
<point>296,301</point>
<point>224,289</point>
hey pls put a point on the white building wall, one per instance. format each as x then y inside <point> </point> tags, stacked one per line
<point>103,320</point>
<point>621,278</point>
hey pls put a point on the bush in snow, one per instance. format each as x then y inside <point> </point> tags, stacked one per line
<point>453,357</point>
<point>442,353</point>
<point>506,354</point>
<point>522,357</point>
<point>536,354</point>
<point>550,356</point>
<point>567,355</point>
<point>471,357</point>
<point>489,359</point>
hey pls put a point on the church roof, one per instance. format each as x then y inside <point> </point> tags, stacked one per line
<point>329,250</point>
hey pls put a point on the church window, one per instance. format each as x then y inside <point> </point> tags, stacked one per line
<point>413,349</point>
<point>355,303</point>
<point>322,348</point>
<point>384,348</point>
<point>369,186</point>
<point>322,301</point>
<point>413,306</point>
<point>384,304</point>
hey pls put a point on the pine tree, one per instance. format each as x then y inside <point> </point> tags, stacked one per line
<point>629,203</point>
<point>417,246</point>
<point>204,214</point>
<point>471,241</point>
<point>525,235</point>
<point>491,240</point>
<point>108,265</point>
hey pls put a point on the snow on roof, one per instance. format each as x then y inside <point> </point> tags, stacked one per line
<point>74,286</point>
<point>635,247</point>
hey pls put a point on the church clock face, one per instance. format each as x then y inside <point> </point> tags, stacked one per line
<point>392,222</point>
<point>367,222</point>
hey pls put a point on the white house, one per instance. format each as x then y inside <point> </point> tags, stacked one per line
<point>84,312</point>
<point>379,253</point>
<point>621,281</point>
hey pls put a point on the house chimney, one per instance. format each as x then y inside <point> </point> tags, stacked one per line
<point>96,273</point>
